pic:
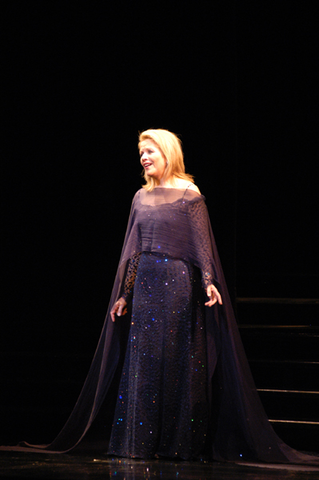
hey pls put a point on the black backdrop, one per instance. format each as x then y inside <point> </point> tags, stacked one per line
<point>277,237</point>
<point>237,81</point>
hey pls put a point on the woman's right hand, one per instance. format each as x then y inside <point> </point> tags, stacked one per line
<point>118,308</point>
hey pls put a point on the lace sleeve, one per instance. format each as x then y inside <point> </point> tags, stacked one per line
<point>130,277</point>
<point>202,242</point>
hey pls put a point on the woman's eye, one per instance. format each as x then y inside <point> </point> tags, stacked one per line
<point>149,152</point>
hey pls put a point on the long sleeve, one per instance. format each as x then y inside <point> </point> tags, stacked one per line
<point>199,221</point>
<point>130,277</point>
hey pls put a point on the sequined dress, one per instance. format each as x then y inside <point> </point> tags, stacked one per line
<point>162,406</point>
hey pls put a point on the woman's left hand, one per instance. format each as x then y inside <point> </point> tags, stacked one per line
<point>119,308</point>
<point>214,296</point>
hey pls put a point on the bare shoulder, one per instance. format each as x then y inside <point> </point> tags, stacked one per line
<point>194,187</point>
<point>181,183</point>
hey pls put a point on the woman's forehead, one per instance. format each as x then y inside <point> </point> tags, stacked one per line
<point>148,142</point>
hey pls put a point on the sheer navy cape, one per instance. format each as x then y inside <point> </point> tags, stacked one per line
<point>240,429</point>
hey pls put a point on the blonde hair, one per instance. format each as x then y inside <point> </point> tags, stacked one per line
<point>171,147</point>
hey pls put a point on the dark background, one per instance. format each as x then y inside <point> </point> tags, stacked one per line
<point>237,80</point>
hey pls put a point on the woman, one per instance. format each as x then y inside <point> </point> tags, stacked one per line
<point>186,387</point>
<point>163,399</point>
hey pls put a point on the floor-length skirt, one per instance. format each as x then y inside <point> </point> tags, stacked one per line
<point>162,405</point>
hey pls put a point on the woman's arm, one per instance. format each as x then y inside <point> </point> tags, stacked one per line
<point>119,306</point>
<point>202,242</point>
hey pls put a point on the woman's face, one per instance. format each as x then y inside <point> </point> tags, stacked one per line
<point>152,159</point>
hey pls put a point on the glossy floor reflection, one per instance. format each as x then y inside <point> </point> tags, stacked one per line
<point>43,466</point>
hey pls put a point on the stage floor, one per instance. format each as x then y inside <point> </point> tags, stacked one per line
<point>15,465</point>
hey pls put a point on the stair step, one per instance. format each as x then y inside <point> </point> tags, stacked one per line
<point>281,342</point>
<point>291,405</point>
<point>301,436</point>
<point>285,374</point>
<point>278,311</point>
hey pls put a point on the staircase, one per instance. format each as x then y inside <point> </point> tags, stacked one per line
<point>281,339</point>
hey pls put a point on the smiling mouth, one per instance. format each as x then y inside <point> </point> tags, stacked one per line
<point>146,165</point>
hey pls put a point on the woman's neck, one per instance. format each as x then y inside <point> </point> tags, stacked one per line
<point>167,182</point>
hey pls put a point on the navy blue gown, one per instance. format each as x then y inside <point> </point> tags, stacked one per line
<point>162,406</point>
